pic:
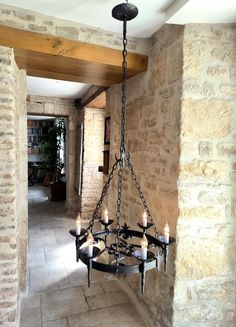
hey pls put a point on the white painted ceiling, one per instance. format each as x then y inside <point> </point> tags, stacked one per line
<point>55,88</point>
<point>206,11</point>
<point>97,13</point>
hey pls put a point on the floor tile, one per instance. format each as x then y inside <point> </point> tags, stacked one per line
<point>58,284</point>
<point>110,285</point>
<point>36,259</point>
<point>63,236</point>
<point>31,317</point>
<point>48,277</point>
<point>42,238</point>
<point>120,315</point>
<point>95,289</point>
<point>56,323</point>
<point>30,302</point>
<point>63,303</point>
<point>77,276</point>
<point>60,253</point>
<point>38,249</point>
<point>107,300</point>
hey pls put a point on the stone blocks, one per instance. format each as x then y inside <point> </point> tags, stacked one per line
<point>36,22</point>
<point>92,158</point>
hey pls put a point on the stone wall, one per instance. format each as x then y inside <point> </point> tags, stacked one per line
<point>22,175</point>
<point>36,22</point>
<point>153,131</point>
<point>39,105</point>
<point>92,180</point>
<point>12,246</point>
<point>205,265</point>
<point>181,135</point>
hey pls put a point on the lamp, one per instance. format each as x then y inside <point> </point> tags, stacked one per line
<point>121,250</point>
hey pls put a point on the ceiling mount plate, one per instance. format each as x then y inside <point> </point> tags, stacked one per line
<point>124,11</point>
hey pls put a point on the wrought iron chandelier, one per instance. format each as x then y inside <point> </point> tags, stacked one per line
<point>121,250</point>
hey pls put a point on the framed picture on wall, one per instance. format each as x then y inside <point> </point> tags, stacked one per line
<point>107,130</point>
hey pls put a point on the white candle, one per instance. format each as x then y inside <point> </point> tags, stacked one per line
<point>145,219</point>
<point>78,225</point>
<point>90,240</point>
<point>106,219</point>
<point>144,245</point>
<point>166,233</point>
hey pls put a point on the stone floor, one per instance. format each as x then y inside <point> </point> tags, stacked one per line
<point>57,293</point>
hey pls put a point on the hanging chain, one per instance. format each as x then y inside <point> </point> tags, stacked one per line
<point>123,91</point>
<point>122,142</point>
<point>141,195</point>
<point>120,163</point>
<point>104,192</point>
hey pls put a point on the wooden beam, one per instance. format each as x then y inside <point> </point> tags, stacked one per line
<point>93,93</point>
<point>56,57</point>
<point>99,102</point>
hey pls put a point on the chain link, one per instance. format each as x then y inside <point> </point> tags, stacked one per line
<point>104,192</point>
<point>122,142</point>
<point>123,90</point>
<point>141,195</point>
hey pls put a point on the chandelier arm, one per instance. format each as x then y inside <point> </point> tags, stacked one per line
<point>104,192</point>
<point>141,195</point>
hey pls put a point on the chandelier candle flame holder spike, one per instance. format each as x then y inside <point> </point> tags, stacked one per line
<point>120,250</point>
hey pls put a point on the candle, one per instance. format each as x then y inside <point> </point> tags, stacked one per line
<point>144,245</point>
<point>145,219</point>
<point>78,225</point>
<point>166,233</point>
<point>90,240</point>
<point>105,219</point>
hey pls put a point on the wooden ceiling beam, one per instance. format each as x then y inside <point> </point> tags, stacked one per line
<point>56,57</point>
<point>93,93</point>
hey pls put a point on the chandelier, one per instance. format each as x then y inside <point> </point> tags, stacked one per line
<point>118,249</point>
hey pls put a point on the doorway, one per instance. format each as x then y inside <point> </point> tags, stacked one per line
<point>47,155</point>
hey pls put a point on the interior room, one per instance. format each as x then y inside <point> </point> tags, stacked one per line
<point>117,170</point>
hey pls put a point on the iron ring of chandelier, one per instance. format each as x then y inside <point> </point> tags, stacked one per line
<point>115,250</point>
<point>126,249</point>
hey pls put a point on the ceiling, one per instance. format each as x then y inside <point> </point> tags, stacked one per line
<point>152,14</point>
<point>97,13</point>
<point>206,11</point>
<point>55,88</point>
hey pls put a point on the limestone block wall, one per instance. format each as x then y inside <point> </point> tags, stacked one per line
<point>205,264</point>
<point>12,245</point>
<point>22,175</point>
<point>36,22</point>
<point>58,107</point>
<point>153,140</point>
<point>92,180</point>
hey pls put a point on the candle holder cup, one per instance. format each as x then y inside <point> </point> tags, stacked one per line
<point>102,222</point>
<point>161,238</point>
<point>150,256</point>
<point>82,232</point>
<point>145,227</point>
<point>96,253</point>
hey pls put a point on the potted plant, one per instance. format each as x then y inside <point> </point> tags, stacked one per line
<point>52,144</point>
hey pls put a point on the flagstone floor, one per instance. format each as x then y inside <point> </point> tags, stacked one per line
<point>57,293</point>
